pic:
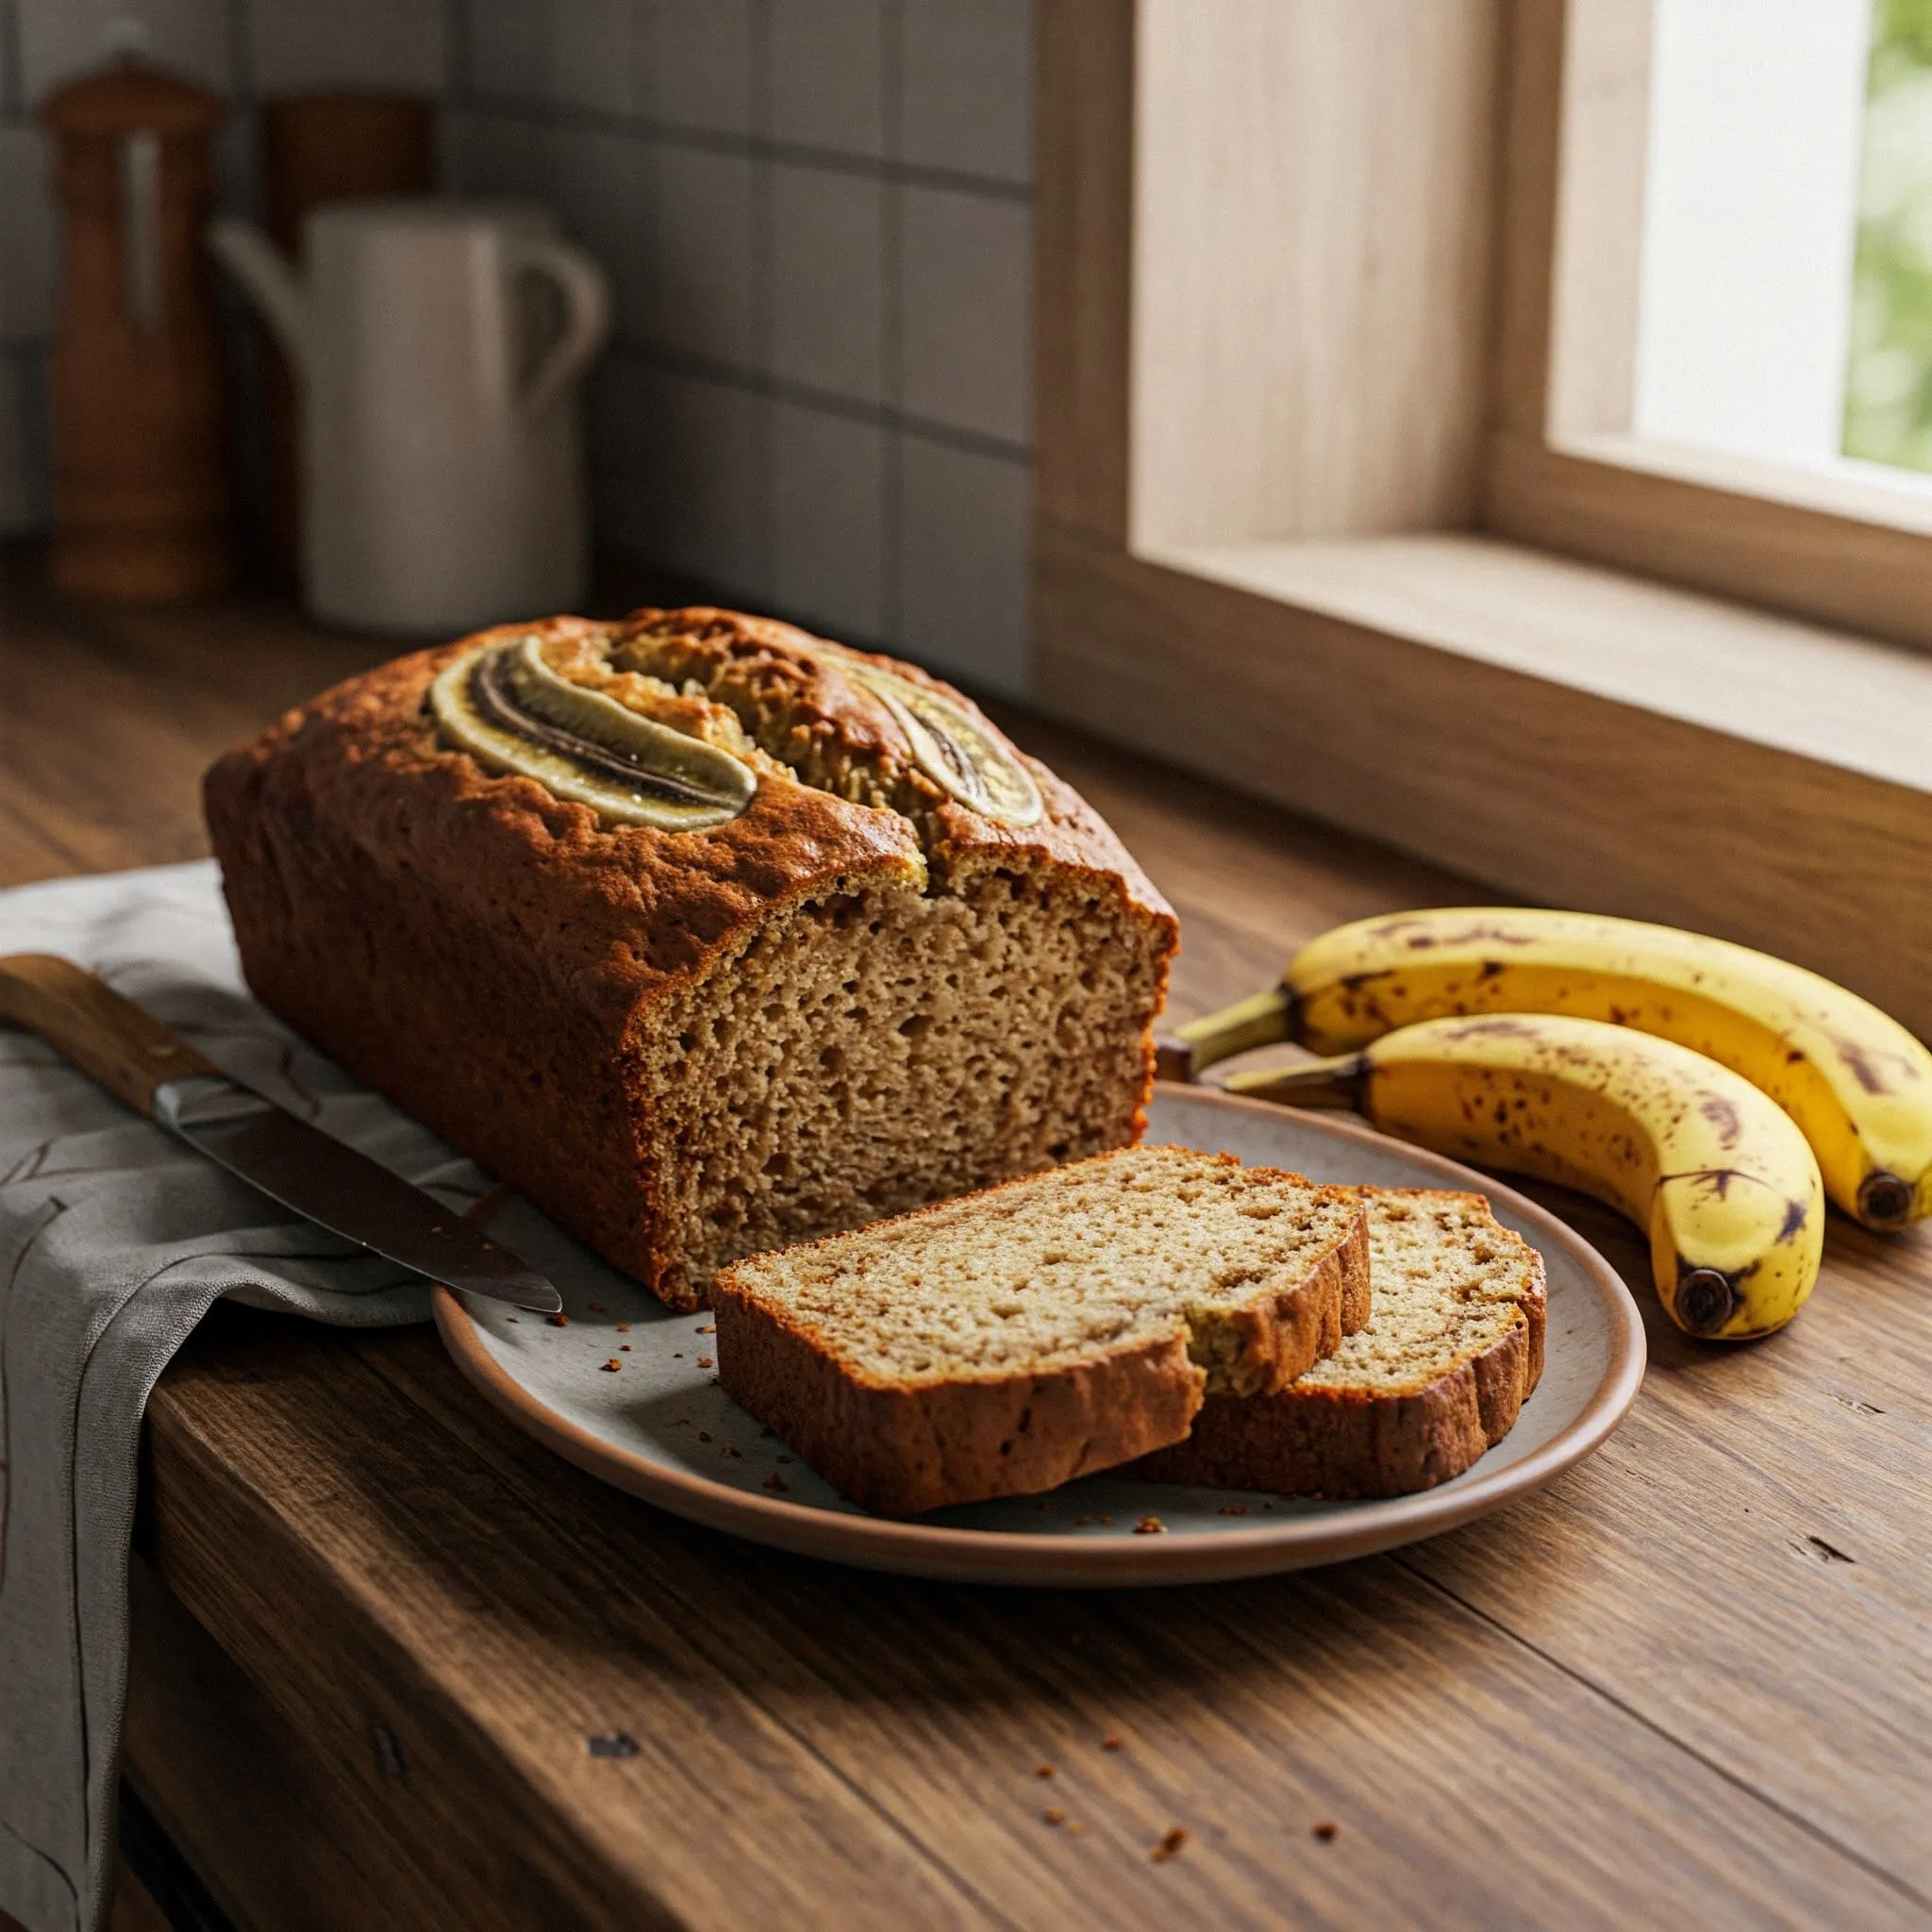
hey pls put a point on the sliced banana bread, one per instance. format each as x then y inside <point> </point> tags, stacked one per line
<point>1453,1347</point>
<point>1006,1342</point>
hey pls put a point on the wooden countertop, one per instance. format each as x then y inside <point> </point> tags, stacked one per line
<point>1690,1682</point>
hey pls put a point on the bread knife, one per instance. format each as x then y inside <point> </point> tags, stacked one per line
<point>140,1062</point>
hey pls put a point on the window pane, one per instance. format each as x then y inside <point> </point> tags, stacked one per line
<point>1889,378</point>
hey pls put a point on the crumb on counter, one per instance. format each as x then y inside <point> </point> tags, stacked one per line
<point>1232,1509</point>
<point>1054,1815</point>
<point>623,1348</point>
<point>1324,1831</point>
<point>558,1321</point>
<point>1042,1771</point>
<point>704,1361</point>
<point>1170,1845</point>
<point>776,1481</point>
<point>623,1328</point>
<point>708,1328</point>
<point>611,1367</point>
<point>1076,1830</point>
<point>1112,1741</point>
<point>704,1435</point>
<point>1150,1526</point>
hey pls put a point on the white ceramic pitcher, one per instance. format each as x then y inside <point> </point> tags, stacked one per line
<point>443,474</point>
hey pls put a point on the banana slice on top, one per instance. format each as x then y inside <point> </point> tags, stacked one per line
<point>509,710</point>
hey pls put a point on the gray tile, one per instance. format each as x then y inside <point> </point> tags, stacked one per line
<point>967,312</point>
<point>828,280</point>
<point>573,53</point>
<point>26,235</point>
<point>507,44</point>
<point>374,43</point>
<point>964,547</point>
<point>828,520</point>
<point>966,89</point>
<point>702,482</point>
<point>614,423</point>
<point>600,185</point>
<point>828,74</point>
<point>499,155</point>
<point>697,65</point>
<point>699,268</point>
<point>11,97</point>
<point>24,480</point>
<point>60,39</point>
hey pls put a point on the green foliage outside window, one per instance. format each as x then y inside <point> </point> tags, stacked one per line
<point>1888,381</point>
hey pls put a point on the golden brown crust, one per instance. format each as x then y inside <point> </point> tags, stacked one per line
<point>899,1451</point>
<point>1302,1321</point>
<point>491,957</point>
<point>1340,1444</point>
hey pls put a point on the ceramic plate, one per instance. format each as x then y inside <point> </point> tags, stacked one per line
<point>660,1426</point>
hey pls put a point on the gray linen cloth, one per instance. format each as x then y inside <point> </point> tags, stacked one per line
<point>114,1242</point>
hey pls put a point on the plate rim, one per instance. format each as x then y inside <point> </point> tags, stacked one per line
<point>1010,1557</point>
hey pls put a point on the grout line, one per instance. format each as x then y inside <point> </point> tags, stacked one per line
<point>1809,1826</point>
<point>893,327</point>
<point>458,84</point>
<point>729,376</point>
<point>239,27</point>
<point>13,80</point>
<point>763,562</point>
<point>759,146</point>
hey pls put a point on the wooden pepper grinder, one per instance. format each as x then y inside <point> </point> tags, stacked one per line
<point>142,509</point>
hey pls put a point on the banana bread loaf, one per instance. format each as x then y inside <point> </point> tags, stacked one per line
<point>706,934</point>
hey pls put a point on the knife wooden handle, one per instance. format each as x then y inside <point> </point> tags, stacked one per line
<point>109,1039</point>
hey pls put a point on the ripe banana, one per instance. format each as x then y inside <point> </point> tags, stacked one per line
<point>1718,1174</point>
<point>1857,1082</point>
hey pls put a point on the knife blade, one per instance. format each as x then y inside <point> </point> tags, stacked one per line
<point>325,1180</point>
<point>329,1182</point>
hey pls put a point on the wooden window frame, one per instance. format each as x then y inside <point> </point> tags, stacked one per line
<point>1563,470</point>
<point>1434,651</point>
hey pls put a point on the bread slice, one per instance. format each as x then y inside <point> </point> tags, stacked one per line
<point>1452,1349</point>
<point>1008,1342</point>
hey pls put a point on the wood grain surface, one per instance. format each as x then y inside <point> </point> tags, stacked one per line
<point>394,1659</point>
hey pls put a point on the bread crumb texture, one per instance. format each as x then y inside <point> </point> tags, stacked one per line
<point>1068,1266</point>
<point>1452,1348</point>
<point>1009,1341</point>
<point>1449,1283</point>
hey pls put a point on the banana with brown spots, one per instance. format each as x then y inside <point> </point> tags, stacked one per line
<point>1716,1173</point>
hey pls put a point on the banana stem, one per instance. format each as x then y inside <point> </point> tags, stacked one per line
<point>1258,1021</point>
<point>1339,1082</point>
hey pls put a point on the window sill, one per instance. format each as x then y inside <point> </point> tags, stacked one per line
<point>1567,732</point>
<point>1792,687</point>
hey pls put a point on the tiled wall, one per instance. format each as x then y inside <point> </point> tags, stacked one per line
<point>816,217</point>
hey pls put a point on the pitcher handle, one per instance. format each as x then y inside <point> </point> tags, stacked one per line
<point>586,291</point>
